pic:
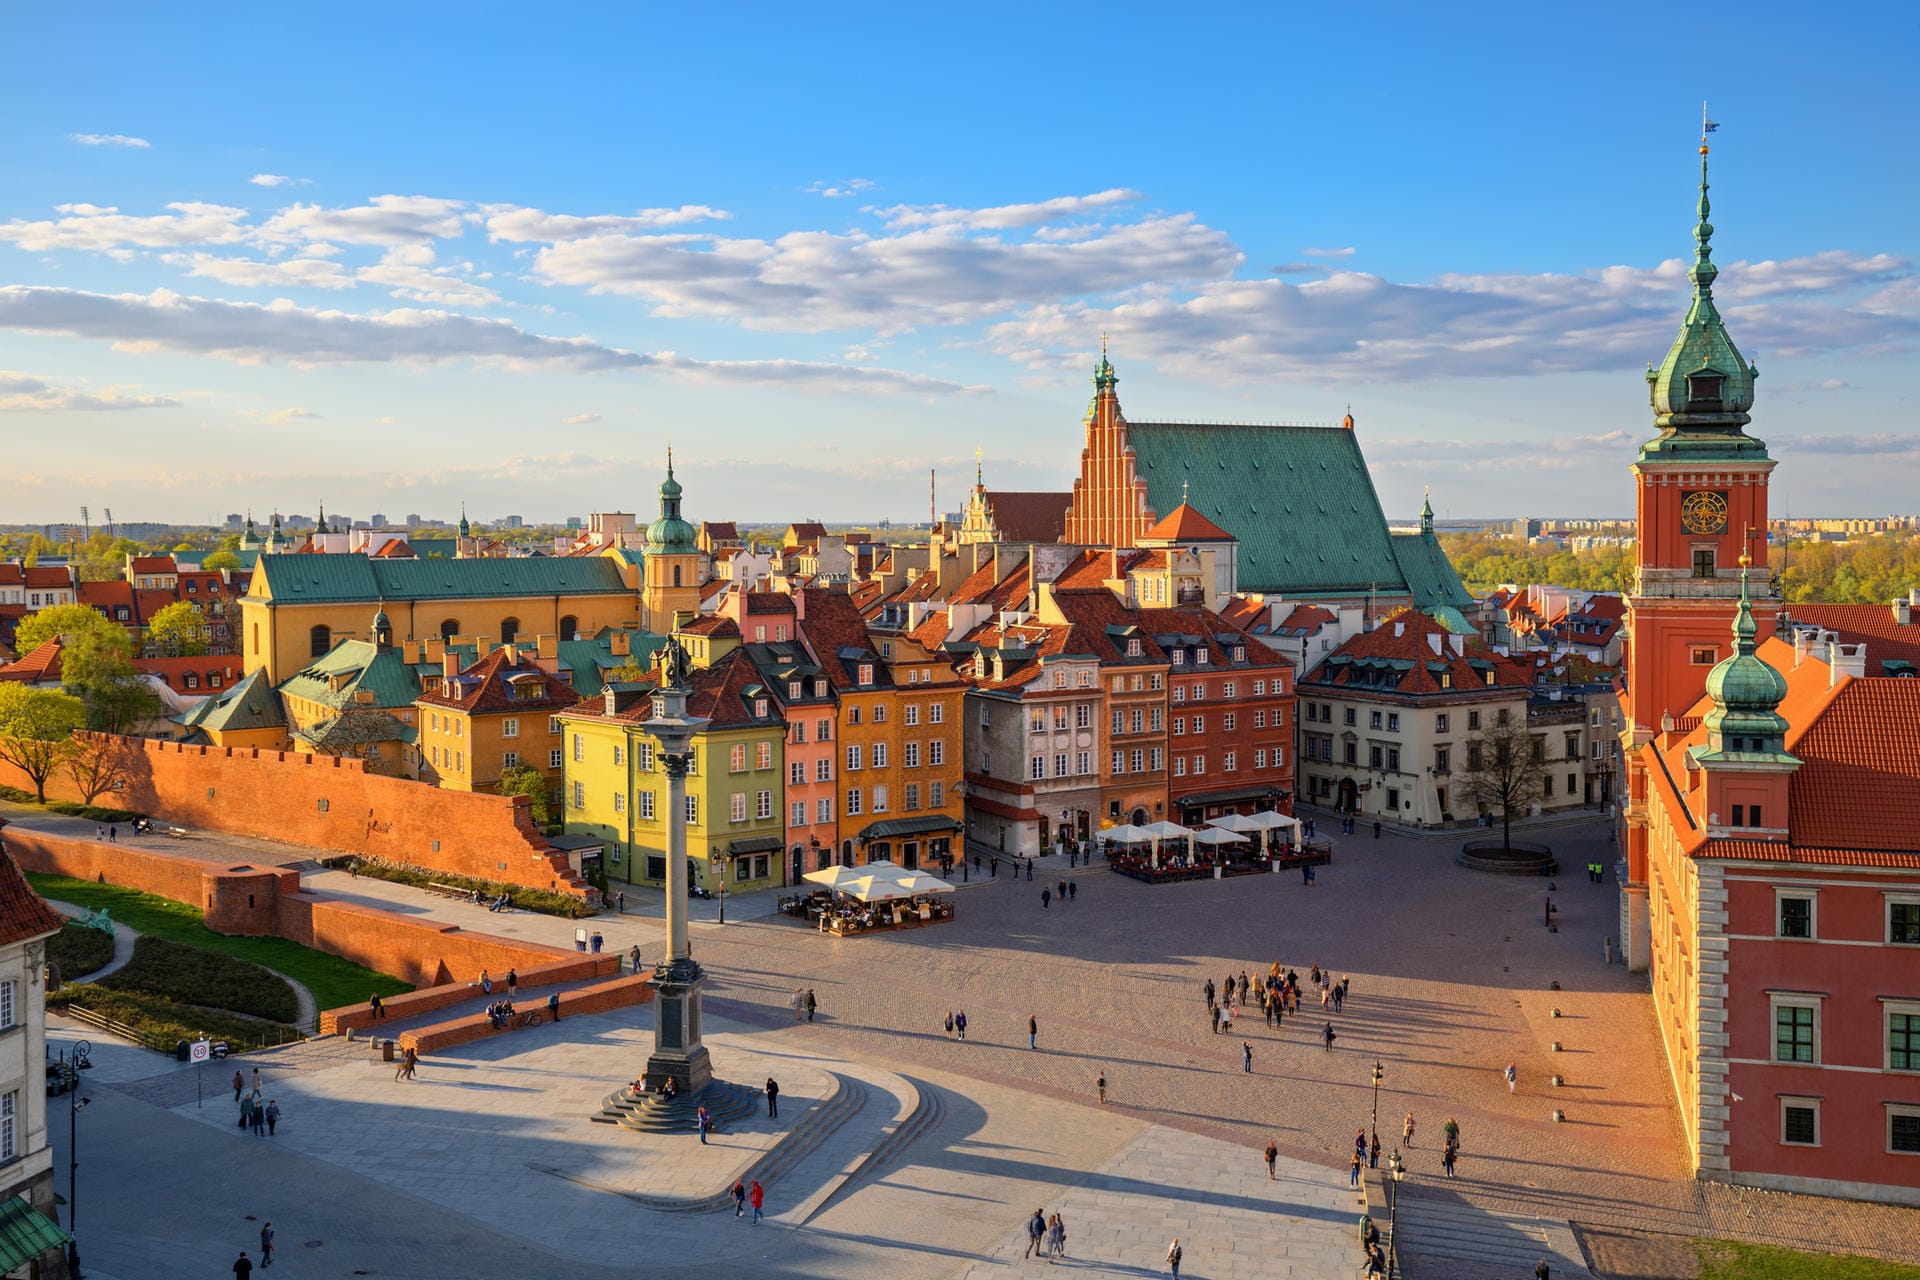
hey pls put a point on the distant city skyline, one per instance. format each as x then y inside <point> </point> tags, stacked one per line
<point>779,251</point>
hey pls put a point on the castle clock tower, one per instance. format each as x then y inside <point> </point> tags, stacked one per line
<point>1701,486</point>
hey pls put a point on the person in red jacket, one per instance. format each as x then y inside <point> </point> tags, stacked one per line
<point>759,1197</point>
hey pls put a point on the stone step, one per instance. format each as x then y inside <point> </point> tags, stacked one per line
<point>1449,1229</point>
<point>901,1132</point>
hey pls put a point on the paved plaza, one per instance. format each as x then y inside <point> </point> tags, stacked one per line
<point>488,1166</point>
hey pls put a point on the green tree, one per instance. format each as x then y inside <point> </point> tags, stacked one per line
<point>61,621</point>
<point>96,664</point>
<point>1506,770</point>
<point>523,781</point>
<point>179,630</point>
<point>36,730</point>
<point>223,559</point>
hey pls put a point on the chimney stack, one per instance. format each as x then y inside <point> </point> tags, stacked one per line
<point>449,665</point>
<point>1903,611</point>
<point>622,644</point>
<point>1845,660</point>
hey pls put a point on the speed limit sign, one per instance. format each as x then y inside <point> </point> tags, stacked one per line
<point>200,1050</point>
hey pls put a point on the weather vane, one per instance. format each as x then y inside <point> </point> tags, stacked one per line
<point>1707,124</point>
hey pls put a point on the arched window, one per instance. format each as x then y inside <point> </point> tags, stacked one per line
<point>569,625</point>
<point>320,641</point>
<point>509,628</point>
<point>450,628</point>
<point>676,575</point>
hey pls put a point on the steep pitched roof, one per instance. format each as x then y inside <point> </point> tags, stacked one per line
<point>1408,652</point>
<point>837,634</point>
<point>1184,524</point>
<point>1859,784</point>
<point>294,579</point>
<point>494,684</point>
<point>1299,499</point>
<point>42,666</point>
<point>387,676</point>
<point>251,704</point>
<point>1028,516</point>
<point>1429,575</point>
<point>23,914</point>
<point>1872,623</point>
<point>1220,637</point>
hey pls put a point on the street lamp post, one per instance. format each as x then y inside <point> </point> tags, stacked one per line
<point>1398,1169</point>
<point>74,1106</point>
<point>1379,1074</point>
<point>723,893</point>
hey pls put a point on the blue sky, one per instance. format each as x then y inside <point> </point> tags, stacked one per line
<point>400,257</point>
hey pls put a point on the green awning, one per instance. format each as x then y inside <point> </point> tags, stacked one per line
<point>754,844</point>
<point>26,1233</point>
<point>894,828</point>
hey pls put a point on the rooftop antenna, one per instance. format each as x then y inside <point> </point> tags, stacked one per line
<point>109,515</point>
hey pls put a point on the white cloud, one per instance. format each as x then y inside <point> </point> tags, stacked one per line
<point>395,272</point>
<point>519,225</point>
<point>104,228</point>
<point>1352,324</point>
<point>250,273</point>
<point>251,333</point>
<point>278,180</point>
<point>580,420</point>
<point>815,280</point>
<point>281,417</point>
<point>1006,216</point>
<point>1329,253</point>
<point>110,140</point>
<point>838,190</point>
<point>24,393</point>
<point>384,220</point>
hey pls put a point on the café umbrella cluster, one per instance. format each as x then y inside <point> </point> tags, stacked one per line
<point>879,895</point>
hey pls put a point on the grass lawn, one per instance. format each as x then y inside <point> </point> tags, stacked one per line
<point>187,975</point>
<point>79,950</point>
<point>1731,1260</point>
<point>161,1023</point>
<point>333,981</point>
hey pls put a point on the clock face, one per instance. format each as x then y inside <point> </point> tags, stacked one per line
<point>1703,511</point>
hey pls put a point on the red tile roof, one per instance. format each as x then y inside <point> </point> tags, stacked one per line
<point>494,684</point>
<point>42,666</point>
<point>1028,517</point>
<point>153,564</point>
<point>173,672</point>
<point>712,626</point>
<point>1874,623</point>
<point>23,914</point>
<point>1184,524</point>
<point>1414,639</point>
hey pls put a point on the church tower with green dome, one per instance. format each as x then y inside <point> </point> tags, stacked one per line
<point>670,591</point>
<point>1745,759</point>
<point>1701,486</point>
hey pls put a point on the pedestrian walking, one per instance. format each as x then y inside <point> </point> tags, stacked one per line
<point>634,957</point>
<point>273,1115</point>
<point>960,1024</point>
<point>1353,1171</point>
<point>246,1112</point>
<point>1272,1154</point>
<point>1100,1086</point>
<point>739,1198</point>
<point>1173,1258</point>
<point>705,1121</point>
<point>812,1004</point>
<point>513,983</point>
<point>553,1006</point>
<point>1036,1233</point>
<point>239,1084</point>
<point>100,832</point>
<point>949,1024</point>
<point>258,1118</point>
<point>1512,1075</point>
<point>1246,1056</point>
<point>1406,1130</point>
<point>1056,1238</point>
<point>1033,1032</point>
<point>994,866</point>
<point>1447,1158</point>
<point>113,833</point>
<point>1541,1271</point>
<point>1373,1152</point>
<point>1327,1037</point>
<point>242,1269</point>
<point>1339,996</point>
<point>1029,872</point>
<point>1046,898</point>
<point>773,1098</point>
<point>1209,990</point>
<point>620,901</point>
<point>266,1245</point>
<point>1073,890</point>
<point>798,1003</point>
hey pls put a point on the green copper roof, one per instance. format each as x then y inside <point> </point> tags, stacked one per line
<point>1429,575</point>
<point>339,579</point>
<point>670,535</point>
<point>1299,500</point>
<point>1703,389</point>
<point>250,704</point>
<point>585,662</point>
<point>1746,693</point>
<point>25,1234</point>
<point>392,681</point>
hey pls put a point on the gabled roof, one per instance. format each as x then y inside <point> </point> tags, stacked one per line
<point>42,666</point>
<point>23,914</point>
<point>1028,516</point>
<point>1408,651</point>
<point>387,675</point>
<point>173,672</point>
<point>250,704</point>
<point>837,634</point>
<point>292,579</point>
<point>1429,575</point>
<point>494,684</point>
<point>395,549</point>
<point>1184,524</point>
<point>153,564</point>
<point>723,693</point>
<point>1208,628</point>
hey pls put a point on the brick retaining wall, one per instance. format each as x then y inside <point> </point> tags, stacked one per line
<point>620,993</point>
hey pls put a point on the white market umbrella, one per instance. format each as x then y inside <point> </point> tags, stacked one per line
<point>1215,836</point>
<point>920,882</point>
<point>1239,822</point>
<point>1127,834</point>
<point>834,877</point>
<point>1166,831</point>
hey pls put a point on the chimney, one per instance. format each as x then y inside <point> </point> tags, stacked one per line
<point>1903,612</point>
<point>1845,660</point>
<point>1803,639</point>
<point>622,644</point>
<point>513,654</point>
<point>449,665</point>
<point>547,646</point>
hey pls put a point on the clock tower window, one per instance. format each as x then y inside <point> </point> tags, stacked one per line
<point>1703,562</point>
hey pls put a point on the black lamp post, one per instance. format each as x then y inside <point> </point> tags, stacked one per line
<point>722,895</point>
<point>73,1167</point>
<point>1379,1074</point>
<point>1398,1169</point>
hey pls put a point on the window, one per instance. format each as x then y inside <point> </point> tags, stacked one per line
<point>1393,759</point>
<point>1440,723</point>
<point>193,681</point>
<point>1800,1122</point>
<point>1083,716</point>
<point>823,809</point>
<point>1158,681</point>
<point>1351,753</point>
<point>619,802</point>
<point>553,724</point>
<point>1201,657</point>
<point>799,732</point>
<point>1086,679</point>
<point>1227,722</point>
<point>1703,562</point>
<point>1083,762</point>
<point>913,714</point>
<point>1060,717</point>
<point>1703,655</point>
<point>853,715</point>
<point>913,797</point>
<point>1037,767</point>
<point>556,758</point>
<point>644,761</point>
<point>693,809</point>
<point>1903,1037</point>
<point>1059,679</point>
<point>1133,648</point>
<point>1393,722</point>
<point>7,990</point>
<point>1227,689</point>
<point>1153,719</point>
<point>1259,759</point>
<point>510,760</point>
<point>823,769</point>
<point>1473,722</point>
<point>1179,693</point>
<point>1442,759</point>
<point>1228,763</point>
<point>319,642</point>
<point>760,707</point>
<point>619,756</point>
<point>1199,724</point>
<point>1117,762</point>
<point>854,754</point>
<point>1375,755</point>
<point>1179,766</point>
<point>1199,764</point>
<point>1903,1129</point>
<point>1349,716</point>
<point>1794,1024</point>
<point>1060,765</point>
<point>579,748</point>
<point>936,714</point>
<point>763,755</point>
<point>822,730</point>
<point>579,795</point>
<point>737,758</point>
<point>1119,721</point>
<point>646,805</point>
<point>1259,719</point>
<point>509,628</point>
<point>1903,920</point>
<point>796,773</point>
<point>879,713</point>
<point>1178,656</point>
<point>793,689</point>
<point>1157,758</point>
<point>879,755</point>
<point>936,794</point>
<point>1138,720</point>
<point>1196,692</point>
<point>763,805</point>
<point>9,1125</point>
<point>866,673</point>
<point>797,814</point>
<point>1795,911</point>
<point>880,799</point>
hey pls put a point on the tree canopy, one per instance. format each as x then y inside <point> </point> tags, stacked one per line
<point>64,621</point>
<point>179,630</point>
<point>222,559</point>
<point>36,730</point>
<point>523,781</point>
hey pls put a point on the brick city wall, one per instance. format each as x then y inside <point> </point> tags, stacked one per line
<point>430,999</point>
<point>327,803</point>
<point>620,993</point>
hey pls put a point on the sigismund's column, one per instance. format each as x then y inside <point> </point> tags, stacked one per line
<point>677,1051</point>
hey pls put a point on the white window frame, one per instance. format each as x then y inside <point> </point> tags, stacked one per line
<point>509,727</point>
<point>763,806</point>
<point>8,1005</point>
<point>1777,1000</point>
<point>1798,1102</point>
<point>1896,900</point>
<point>646,805</point>
<point>1780,894</point>
<point>1888,1009</point>
<point>1895,1109</point>
<point>510,760</point>
<point>737,807</point>
<point>556,758</point>
<point>9,1125</point>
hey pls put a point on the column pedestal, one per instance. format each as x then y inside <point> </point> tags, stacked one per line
<point>677,1051</point>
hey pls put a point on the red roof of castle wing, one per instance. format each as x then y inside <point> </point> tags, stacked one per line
<point>1875,624</point>
<point>1029,517</point>
<point>1859,785</point>
<point>1184,524</point>
<point>23,914</point>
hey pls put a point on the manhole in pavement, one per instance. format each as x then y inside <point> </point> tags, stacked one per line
<point>250,1218</point>
<point>315,1244</point>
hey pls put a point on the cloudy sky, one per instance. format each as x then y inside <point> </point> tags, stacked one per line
<point>393,262</point>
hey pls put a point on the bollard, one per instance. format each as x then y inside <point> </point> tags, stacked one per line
<point>1559,1081</point>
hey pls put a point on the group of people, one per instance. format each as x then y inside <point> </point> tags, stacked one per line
<point>1046,1237</point>
<point>1069,889</point>
<point>261,1116</point>
<point>803,1003</point>
<point>1278,995</point>
<point>743,1196</point>
<point>500,1014</point>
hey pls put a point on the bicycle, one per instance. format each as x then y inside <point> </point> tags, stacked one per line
<point>529,1019</point>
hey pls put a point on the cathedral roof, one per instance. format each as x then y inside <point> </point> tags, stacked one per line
<point>1028,516</point>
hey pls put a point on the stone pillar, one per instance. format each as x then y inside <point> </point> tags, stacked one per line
<point>677,1050</point>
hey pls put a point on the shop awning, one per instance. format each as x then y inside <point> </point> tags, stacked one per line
<point>25,1234</point>
<point>895,828</point>
<point>1230,795</point>
<point>755,844</point>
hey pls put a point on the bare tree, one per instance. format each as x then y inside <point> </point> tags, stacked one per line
<point>358,732</point>
<point>1505,770</point>
<point>96,763</point>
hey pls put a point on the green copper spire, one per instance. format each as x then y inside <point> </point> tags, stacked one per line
<point>1703,389</point>
<point>1426,512</point>
<point>671,535</point>
<point>465,531</point>
<point>1104,378</point>
<point>1746,692</point>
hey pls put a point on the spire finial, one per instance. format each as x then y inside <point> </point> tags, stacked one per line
<point>1703,270</point>
<point>669,459</point>
<point>979,455</point>
<point>1183,492</point>
<point>1103,345</point>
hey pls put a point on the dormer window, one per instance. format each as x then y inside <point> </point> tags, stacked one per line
<point>1239,653</point>
<point>1133,648</point>
<point>1179,657</point>
<point>866,673</point>
<point>760,708</point>
<point>1703,389</point>
<point>1201,657</point>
